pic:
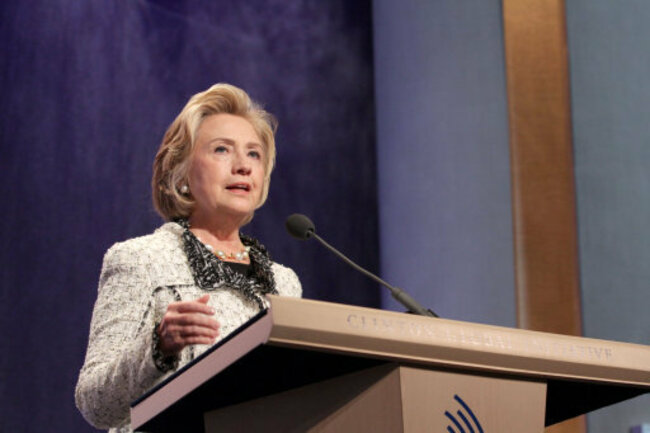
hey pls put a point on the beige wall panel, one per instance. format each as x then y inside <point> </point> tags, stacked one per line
<point>544,215</point>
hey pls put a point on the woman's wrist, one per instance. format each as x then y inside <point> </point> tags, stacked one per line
<point>163,363</point>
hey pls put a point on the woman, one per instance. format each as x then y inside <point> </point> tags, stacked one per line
<point>166,297</point>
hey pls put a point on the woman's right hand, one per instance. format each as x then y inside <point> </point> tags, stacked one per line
<point>185,323</point>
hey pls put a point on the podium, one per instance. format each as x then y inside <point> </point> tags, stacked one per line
<point>305,365</point>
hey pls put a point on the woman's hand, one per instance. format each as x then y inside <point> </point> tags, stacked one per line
<point>185,323</point>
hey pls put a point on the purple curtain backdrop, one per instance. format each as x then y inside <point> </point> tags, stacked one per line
<point>88,89</point>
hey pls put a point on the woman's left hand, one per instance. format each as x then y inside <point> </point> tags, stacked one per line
<point>185,323</point>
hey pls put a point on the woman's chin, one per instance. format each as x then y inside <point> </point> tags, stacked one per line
<point>242,213</point>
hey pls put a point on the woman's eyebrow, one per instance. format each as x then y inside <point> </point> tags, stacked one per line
<point>221,139</point>
<point>230,141</point>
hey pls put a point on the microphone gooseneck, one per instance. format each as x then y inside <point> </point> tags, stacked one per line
<point>301,227</point>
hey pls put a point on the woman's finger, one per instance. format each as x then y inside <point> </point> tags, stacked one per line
<point>185,330</point>
<point>204,299</point>
<point>191,307</point>
<point>191,319</point>
<point>199,340</point>
<point>197,331</point>
<point>173,340</point>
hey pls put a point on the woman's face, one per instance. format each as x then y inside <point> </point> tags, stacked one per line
<point>226,174</point>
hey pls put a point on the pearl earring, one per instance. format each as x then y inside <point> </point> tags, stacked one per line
<point>185,189</point>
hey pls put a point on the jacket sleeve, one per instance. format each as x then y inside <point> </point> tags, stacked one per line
<point>119,366</point>
<point>286,281</point>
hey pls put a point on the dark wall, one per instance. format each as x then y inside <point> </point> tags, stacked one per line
<point>88,89</point>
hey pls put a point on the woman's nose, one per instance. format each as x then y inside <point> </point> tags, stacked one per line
<point>241,164</point>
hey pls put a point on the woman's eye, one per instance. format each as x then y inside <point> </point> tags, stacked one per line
<point>255,154</point>
<point>220,149</point>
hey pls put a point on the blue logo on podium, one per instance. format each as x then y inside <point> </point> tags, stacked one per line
<point>464,421</point>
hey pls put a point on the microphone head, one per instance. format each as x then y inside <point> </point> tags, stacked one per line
<point>300,226</point>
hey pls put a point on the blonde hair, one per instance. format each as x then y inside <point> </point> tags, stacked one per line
<point>171,165</point>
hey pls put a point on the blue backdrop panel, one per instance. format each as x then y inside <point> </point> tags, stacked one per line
<point>608,47</point>
<point>443,156</point>
<point>88,89</point>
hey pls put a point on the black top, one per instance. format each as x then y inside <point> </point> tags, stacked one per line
<point>241,268</point>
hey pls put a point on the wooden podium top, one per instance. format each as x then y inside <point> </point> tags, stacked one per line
<point>310,333</point>
<point>448,343</point>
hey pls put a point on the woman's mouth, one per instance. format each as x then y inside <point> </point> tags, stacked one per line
<point>238,187</point>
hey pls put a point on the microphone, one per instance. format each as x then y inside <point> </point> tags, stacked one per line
<point>301,227</point>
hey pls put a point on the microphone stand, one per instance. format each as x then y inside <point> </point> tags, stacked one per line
<point>400,295</point>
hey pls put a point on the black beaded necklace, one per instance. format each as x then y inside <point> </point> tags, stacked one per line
<point>210,273</point>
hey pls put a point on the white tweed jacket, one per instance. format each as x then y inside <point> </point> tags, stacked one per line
<point>119,366</point>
